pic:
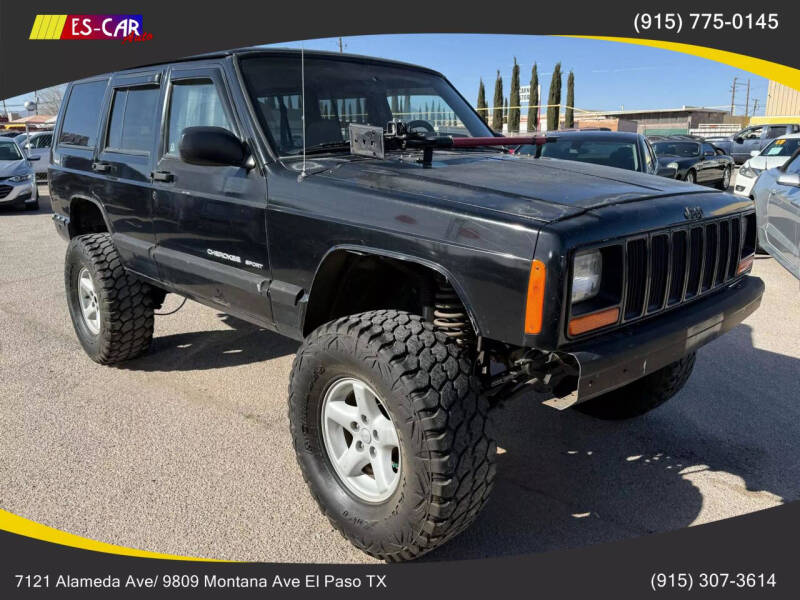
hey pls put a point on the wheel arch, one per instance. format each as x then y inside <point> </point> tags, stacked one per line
<point>339,261</point>
<point>83,216</point>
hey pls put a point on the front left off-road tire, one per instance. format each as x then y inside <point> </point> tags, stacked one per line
<point>391,433</point>
<point>111,310</point>
<point>643,395</point>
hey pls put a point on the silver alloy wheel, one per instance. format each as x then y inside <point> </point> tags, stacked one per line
<point>690,177</point>
<point>90,306</point>
<point>361,440</point>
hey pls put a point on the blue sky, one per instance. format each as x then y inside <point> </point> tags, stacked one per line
<point>608,75</point>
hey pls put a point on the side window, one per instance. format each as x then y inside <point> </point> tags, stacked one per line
<point>753,133</point>
<point>132,124</point>
<point>83,110</point>
<point>774,132</point>
<point>708,149</point>
<point>794,166</point>
<point>193,103</point>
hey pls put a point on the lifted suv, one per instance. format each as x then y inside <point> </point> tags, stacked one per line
<point>370,213</point>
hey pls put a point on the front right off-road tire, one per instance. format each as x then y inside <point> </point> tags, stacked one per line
<point>111,309</point>
<point>444,463</point>
<point>643,395</point>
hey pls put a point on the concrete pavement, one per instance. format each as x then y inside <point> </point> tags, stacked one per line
<point>187,449</point>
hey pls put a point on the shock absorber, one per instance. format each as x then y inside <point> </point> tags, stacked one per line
<point>449,315</point>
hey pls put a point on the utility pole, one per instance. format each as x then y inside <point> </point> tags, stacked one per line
<point>733,94</point>
<point>747,101</point>
<point>755,106</point>
<point>5,111</point>
<point>341,46</point>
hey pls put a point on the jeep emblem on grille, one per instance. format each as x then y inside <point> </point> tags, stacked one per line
<point>693,213</point>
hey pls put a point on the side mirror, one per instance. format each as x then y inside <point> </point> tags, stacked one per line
<point>754,152</point>
<point>738,139</point>
<point>668,172</point>
<point>789,179</point>
<point>211,146</point>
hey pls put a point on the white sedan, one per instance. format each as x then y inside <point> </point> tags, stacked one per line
<point>774,155</point>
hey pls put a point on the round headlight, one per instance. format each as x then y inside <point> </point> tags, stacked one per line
<point>587,269</point>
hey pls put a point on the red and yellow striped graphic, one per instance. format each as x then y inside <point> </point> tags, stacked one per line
<point>47,27</point>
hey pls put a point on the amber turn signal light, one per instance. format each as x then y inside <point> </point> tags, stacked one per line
<point>535,304</point>
<point>580,325</point>
<point>744,264</point>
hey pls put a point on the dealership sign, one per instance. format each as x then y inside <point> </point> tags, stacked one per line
<point>125,28</point>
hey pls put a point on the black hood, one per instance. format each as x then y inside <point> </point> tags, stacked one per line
<point>544,189</point>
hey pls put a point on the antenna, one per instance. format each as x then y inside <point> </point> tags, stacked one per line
<point>303,95</point>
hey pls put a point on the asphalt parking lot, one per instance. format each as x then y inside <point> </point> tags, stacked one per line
<point>187,450</point>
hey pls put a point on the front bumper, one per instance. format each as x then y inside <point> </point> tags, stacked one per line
<point>626,355</point>
<point>743,185</point>
<point>19,193</point>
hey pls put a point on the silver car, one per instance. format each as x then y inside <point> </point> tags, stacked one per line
<point>777,197</point>
<point>17,180</point>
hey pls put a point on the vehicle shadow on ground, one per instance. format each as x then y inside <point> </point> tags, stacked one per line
<point>44,207</point>
<point>567,480</point>
<point>243,343</point>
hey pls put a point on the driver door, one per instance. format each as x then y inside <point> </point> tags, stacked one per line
<point>210,220</point>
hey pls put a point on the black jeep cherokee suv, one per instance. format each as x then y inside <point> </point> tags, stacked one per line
<point>427,272</point>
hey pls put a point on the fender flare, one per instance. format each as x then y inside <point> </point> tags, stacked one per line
<point>94,201</point>
<point>357,249</point>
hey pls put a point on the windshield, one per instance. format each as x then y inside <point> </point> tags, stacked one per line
<point>611,153</point>
<point>784,147</point>
<point>339,92</point>
<point>9,151</point>
<point>684,149</point>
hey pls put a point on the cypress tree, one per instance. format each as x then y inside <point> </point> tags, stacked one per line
<point>513,114</point>
<point>497,105</point>
<point>554,100</point>
<point>533,101</point>
<point>569,117</point>
<point>482,102</point>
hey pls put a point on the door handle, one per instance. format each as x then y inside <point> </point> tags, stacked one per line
<point>165,176</point>
<point>101,167</point>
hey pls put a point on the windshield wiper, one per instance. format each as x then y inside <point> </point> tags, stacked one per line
<point>323,147</point>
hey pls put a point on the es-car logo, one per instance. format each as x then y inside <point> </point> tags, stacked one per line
<point>125,28</point>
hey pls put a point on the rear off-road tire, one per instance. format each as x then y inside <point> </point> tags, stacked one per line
<point>642,395</point>
<point>445,468</point>
<point>123,321</point>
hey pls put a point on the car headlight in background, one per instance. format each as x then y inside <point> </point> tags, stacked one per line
<point>587,269</point>
<point>673,165</point>
<point>20,178</point>
<point>749,172</point>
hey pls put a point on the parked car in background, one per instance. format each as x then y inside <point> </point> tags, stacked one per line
<point>777,198</point>
<point>17,180</point>
<point>774,155</point>
<point>695,161</point>
<point>621,149</point>
<point>38,144</point>
<point>741,144</point>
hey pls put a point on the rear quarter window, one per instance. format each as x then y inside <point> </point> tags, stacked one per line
<point>82,114</point>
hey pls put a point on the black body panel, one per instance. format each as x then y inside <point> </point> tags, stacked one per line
<point>251,240</point>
